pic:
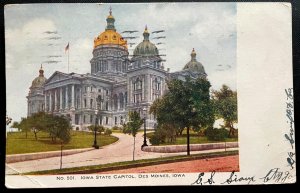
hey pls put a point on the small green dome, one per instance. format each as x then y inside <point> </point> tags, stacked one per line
<point>145,48</point>
<point>194,65</point>
<point>39,81</point>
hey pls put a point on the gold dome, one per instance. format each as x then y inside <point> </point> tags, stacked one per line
<point>110,35</point>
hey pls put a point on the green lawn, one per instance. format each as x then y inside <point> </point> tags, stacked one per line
<point>16,143</point>
<point>194,139</point>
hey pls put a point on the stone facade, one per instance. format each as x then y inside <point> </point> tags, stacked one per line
<point>115,86</point>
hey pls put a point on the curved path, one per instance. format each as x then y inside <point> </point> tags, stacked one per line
<point>116,152</point>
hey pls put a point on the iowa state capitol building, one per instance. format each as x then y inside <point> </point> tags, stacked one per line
<point>115,86</point>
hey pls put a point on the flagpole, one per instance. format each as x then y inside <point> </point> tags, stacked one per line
<point>68,59</point>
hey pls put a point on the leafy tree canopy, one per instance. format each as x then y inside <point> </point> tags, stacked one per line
<point>225,102</point>
<point>134,124</point>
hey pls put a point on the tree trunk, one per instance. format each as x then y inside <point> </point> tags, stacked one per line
<point>133,148</point>
<point>231,130</point>
<point>35,136</point>
<point>26,134</point>
<point>180,133</point>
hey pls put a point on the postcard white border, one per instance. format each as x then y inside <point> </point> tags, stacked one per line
<point>264,71</point>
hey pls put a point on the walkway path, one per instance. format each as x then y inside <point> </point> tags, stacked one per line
<point>117,152</point>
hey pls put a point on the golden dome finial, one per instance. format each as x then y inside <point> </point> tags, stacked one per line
<point>41,71</point>
<point>146,34</point>
<point>193,54</point>
<point>146,29</point>
<point>110,13</point>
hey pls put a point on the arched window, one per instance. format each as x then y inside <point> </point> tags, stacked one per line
<point>138,84</point>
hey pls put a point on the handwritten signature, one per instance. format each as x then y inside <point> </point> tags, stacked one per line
<point>290,136</point>
<point>232,178</point>
<point>276,175</point>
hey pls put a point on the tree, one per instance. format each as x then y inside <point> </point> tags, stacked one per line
<point>58,127</point>
<point>38,122</point>
<point>186,105</point>
<point>132,126</point>
<point>15,124</point>
<point>98,128</point>
<point>24,125</point>
<point>225,102</point>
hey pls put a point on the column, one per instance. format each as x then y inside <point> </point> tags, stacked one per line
<point>60,98</point>
<point>55,99</point>
<point>73,97</point>
<point>67,99</point>
<point>50,101</point>
<point>147,87</point>
<point>45,102</point>
<point>124,101</point>
<point>131,91</point>
<point>143,89</point>
<point>150,90</point>
<point>118,99</point>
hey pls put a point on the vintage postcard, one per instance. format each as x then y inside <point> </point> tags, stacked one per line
<point>149,94</point>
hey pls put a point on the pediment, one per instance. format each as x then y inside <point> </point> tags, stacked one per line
<point>57,76</point>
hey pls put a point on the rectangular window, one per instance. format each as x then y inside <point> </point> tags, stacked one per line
<point>83,118</point>
<point>106,121</point>
<point>91,119</point>
<point>84,103</point>
<point>91,103</point>
<point>100,120</point>
<point>76,119</point>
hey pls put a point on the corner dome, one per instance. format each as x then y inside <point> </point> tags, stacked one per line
<point>40,80</point>
<point>194,65</point>
<point>145,48</point>
<point>110,35</point>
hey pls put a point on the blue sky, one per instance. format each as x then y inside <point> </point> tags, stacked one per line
<point>210,28</point>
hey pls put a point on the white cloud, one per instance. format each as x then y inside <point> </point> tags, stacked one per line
<point>80,63</point>
<point>218,78</point>
<point>22,52</point>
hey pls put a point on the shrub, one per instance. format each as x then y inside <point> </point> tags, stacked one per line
<point>155,140</point>
<point>216,134</point>
<point>107,132</point>
<point>116,128</point>
<point>158,137</point>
